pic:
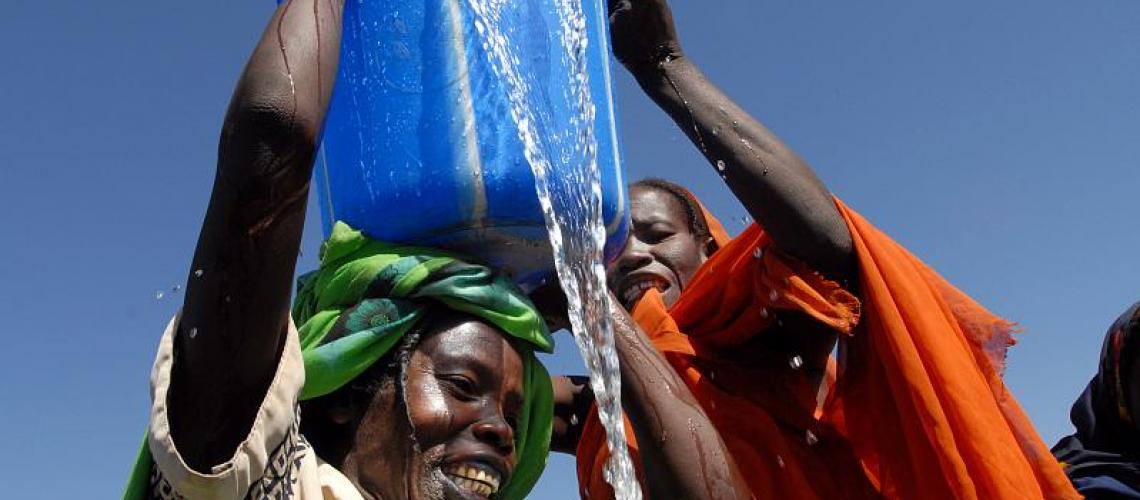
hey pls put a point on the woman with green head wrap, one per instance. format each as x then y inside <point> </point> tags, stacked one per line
<point>412,373</point>
<point>389,332</point>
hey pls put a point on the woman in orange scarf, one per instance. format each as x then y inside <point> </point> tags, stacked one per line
<point>915,408</point>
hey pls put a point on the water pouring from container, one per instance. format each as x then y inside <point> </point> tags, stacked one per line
<point>450,116</point>
<point>571,198</point>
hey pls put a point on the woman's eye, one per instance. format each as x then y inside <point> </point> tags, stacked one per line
<point>654,235</point>
<point>461,386</point>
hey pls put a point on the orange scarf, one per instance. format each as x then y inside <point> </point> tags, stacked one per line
<point>919,410</point>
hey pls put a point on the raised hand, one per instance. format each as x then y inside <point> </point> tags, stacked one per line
<point>551,303</point>
<point>643,33</point>
<point>777,187</point>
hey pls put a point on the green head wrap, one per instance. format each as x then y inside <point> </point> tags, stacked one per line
<point>368,295</point>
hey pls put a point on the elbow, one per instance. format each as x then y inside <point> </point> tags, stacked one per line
<point>273,121</point>
<point>266,142</point>
<point>823,244</point>
<point>840,242</point>
<point>837,253</point>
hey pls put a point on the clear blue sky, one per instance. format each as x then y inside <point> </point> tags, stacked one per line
<point>998,141</point>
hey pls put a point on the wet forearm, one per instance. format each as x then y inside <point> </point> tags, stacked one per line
<point>671,427</point>
<point>776,186</point>
<point>235,313</point>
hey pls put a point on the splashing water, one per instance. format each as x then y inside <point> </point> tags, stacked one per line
<point>571,203</point>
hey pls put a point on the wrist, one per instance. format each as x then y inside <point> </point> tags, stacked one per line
<point>646,62</point>
<point>657,79</point>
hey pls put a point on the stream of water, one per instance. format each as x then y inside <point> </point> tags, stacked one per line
<point>568,186</point>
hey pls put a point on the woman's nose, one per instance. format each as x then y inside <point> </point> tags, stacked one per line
<point>634,255</point>
<point>495,431</point>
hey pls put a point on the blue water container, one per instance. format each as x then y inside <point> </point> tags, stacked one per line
<point>420,147</point>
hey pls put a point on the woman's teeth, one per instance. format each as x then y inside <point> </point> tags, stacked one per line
<point>635,290</point>
<point>474,479</point>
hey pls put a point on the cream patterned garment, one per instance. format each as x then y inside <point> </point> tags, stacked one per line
<point>274,461</point>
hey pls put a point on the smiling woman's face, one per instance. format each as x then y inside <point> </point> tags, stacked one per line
<point>464,394</point>
<point>661,252</point>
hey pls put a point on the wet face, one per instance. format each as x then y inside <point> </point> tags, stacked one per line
<point>454,438</point>
<point>661,252</point>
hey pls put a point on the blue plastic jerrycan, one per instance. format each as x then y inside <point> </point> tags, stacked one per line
<point>419,145</point>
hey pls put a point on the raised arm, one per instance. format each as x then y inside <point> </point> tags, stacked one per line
<point>235,316</point>
<point>776,186</point>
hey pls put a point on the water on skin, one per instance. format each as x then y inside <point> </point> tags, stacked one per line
<point>432,399</point>
<point>285,60</point>
<point>696,128</point>
<point>576,229</point>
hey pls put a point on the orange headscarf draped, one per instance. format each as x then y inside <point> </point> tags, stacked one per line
<point>918,411</point>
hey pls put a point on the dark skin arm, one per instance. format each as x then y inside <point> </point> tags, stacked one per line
<point>235,315</point>
<point>657,403</point>
<point>681,452</point>
<point>572,401</point>
<point>776,187</point>
<point>572,395</point>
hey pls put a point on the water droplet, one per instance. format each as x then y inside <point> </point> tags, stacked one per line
<point>176,288</point>
<point>159,295</point>
<point>720,166</point>
<point>780,460</point>
<point>811,439</point>
<point>712,375</point>
<point>796,362</point>
<point>199,273</point>
<point>193,332</point>
<point>763,312</point>
<point>758,253</point>
<point>773,295</point>
<point>574,419</point>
